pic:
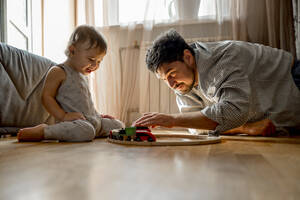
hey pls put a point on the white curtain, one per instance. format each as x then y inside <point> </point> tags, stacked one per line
<point>296,12</point>
<point>124,88</point>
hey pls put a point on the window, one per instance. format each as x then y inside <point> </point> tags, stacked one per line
<point>18,24</point>
<point>123,11</point>
<point>138,12</point>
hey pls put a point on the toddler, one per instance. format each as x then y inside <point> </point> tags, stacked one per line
<point>66,94</point>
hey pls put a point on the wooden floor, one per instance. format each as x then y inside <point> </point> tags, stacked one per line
<point>232,169</point>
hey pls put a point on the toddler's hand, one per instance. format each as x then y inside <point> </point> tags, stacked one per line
<point>70,116</point>
<point>107,116</point>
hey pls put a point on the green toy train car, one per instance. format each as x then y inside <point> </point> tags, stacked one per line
<point>132,134</point>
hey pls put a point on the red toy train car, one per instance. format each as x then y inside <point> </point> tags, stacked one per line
<point>132,134</point>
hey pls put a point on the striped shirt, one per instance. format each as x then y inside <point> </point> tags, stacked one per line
<point>243,82</point>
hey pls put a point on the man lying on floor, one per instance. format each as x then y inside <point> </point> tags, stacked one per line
<point>229,86</point>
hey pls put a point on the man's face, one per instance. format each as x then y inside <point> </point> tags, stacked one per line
<point>177,75</point>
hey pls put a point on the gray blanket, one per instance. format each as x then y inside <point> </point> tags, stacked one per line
<point>22,76</point>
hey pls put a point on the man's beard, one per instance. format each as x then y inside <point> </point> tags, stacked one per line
<point>190,87</point>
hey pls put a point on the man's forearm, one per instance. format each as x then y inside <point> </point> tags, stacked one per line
<point>188,120</point>
<point>194,120</point>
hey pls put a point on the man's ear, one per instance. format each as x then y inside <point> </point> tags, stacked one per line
<point>188,57</point>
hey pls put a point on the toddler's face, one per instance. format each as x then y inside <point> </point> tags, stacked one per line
<point>86,60</point>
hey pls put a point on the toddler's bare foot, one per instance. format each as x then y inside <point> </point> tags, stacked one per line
<point>32,134</point>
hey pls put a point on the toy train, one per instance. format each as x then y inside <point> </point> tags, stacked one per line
<point>132,134</point>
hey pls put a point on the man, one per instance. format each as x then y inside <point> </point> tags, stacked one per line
<point>228,86</point>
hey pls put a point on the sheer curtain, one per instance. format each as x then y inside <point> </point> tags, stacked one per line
<point>268,22</point>
<point>124,88</point>
<point>296,12</point>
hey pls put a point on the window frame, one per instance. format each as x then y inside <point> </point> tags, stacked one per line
<point>25,30</point>
<point>3,19</point>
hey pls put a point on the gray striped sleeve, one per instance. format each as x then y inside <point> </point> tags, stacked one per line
<point>231,109</point>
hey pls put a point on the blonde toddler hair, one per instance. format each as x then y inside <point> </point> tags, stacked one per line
<point>86,33</point>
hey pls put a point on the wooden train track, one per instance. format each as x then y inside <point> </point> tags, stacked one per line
<point>172,140</point>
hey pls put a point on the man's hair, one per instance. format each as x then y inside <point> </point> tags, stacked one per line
<point>86,33</point>
<point>167,47</point>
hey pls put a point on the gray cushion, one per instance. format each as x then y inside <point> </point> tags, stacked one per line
<point>22,76</point>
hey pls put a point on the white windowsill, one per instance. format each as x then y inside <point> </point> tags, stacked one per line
<point>166,23</point>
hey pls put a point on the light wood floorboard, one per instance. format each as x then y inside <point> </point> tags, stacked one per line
<point>232,169</point>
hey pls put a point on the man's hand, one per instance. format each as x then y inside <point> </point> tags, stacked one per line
<point>155,119</point>
<point>107,116</point>
<point>71,116</point>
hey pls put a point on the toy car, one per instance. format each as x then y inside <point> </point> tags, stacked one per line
<point>132,134</point>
